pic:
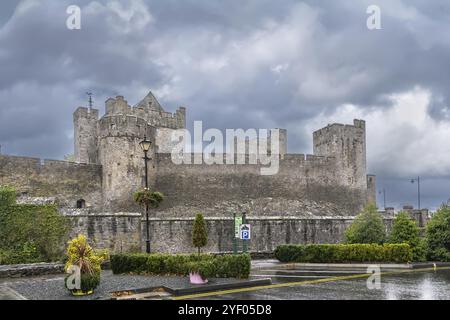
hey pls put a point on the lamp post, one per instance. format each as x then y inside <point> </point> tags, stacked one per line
<point>418,189</point>
<point>145,146</point>
<point>384,197</point>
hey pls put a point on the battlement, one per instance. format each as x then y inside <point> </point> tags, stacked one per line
<point>125,125</point>
<point>338,127</point>
<point>39,164</point>
<point>308,159</point>
<point>291,159</point>
<point>148,109</point>
<point>88,113</point>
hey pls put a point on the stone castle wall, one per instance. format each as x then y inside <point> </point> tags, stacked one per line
<point>68,182</point>
<point>305,186</point>
<point>117,232</point>
<point>175,234</point>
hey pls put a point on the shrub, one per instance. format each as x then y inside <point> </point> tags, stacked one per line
<point>30,233</point>
<point>80,254</point>
<point>222,266</point>
<point>368,227</point>
<point>405,230</point>
<point>199,232</point>
<point>7,196</point>
<point>26,253</point>
<point>438,235</point>
<point>147,197</point>
<point>340,253</point>
<point>206,268</point>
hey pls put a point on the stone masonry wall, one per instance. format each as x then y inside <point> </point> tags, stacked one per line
<point>175,235</point>
<point>304,187</point>
<point>117,232</point>
<point>66,181</point>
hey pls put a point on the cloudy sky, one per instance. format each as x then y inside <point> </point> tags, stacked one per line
<point>241,64</point>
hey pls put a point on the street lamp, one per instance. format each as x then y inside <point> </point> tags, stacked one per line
<point>384,197</point>
<point>418,189</point>
<point>145,146</point>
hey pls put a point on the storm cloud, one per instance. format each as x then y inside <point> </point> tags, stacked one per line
<point>249,64</point>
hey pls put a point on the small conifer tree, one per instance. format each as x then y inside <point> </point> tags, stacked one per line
<point>199,232</point>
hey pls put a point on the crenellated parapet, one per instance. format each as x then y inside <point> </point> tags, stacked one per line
<point>119,125</point>
<point>149,110</point>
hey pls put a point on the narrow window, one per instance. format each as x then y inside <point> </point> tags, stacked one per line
<point>81,204</point>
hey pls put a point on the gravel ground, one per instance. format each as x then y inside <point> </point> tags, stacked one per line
<point>52,287</point>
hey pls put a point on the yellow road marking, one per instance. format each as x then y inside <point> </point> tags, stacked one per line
<point>299,283</point>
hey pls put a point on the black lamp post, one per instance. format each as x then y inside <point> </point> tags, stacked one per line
<point>145,145</point>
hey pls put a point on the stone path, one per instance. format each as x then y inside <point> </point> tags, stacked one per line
<point>51,287</point>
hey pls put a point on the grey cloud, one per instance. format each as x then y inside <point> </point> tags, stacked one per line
<point>218,58</point>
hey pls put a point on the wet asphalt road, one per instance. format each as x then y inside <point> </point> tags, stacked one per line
<point>423,285</point>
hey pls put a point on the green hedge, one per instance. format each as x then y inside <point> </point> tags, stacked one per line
<point>341,253</point>
<point>221,266</point>
<point>7,196</point>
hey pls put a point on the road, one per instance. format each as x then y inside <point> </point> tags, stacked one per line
<point>335,285</point>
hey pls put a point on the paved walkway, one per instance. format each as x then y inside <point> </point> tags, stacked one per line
<point>7,293</point>
<point>51,287</point>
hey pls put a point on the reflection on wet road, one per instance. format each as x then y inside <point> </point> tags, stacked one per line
<point>416,285</point>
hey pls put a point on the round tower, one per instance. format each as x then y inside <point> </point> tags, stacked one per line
<point>120,132</point>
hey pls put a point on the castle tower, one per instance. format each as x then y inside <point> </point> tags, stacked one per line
<point>347,143</point>
<point>85,122</point>
<point>120,132</point>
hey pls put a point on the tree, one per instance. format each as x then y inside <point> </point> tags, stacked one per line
<point>199,232</point>
<point>438,235</point>
<point>368,227</point>
<point>405,230</point>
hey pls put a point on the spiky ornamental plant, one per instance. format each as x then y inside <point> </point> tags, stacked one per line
<point>81,254</point>
<point>199,232</point>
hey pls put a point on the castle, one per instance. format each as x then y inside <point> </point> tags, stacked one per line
<point>312,198</point>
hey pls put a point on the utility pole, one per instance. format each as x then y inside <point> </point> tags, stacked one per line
<point>418,190</point>
<point>384,197</point>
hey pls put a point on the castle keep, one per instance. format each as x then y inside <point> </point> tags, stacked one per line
<point>312,198</point>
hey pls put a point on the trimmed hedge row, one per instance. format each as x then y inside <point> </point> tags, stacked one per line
<point>221,266</point>
<point>341,253</point>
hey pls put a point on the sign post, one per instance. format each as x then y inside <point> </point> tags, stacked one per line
<point>237,218</point>
<point>245,233</point>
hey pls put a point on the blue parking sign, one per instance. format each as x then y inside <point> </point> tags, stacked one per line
<point>245,233</point>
